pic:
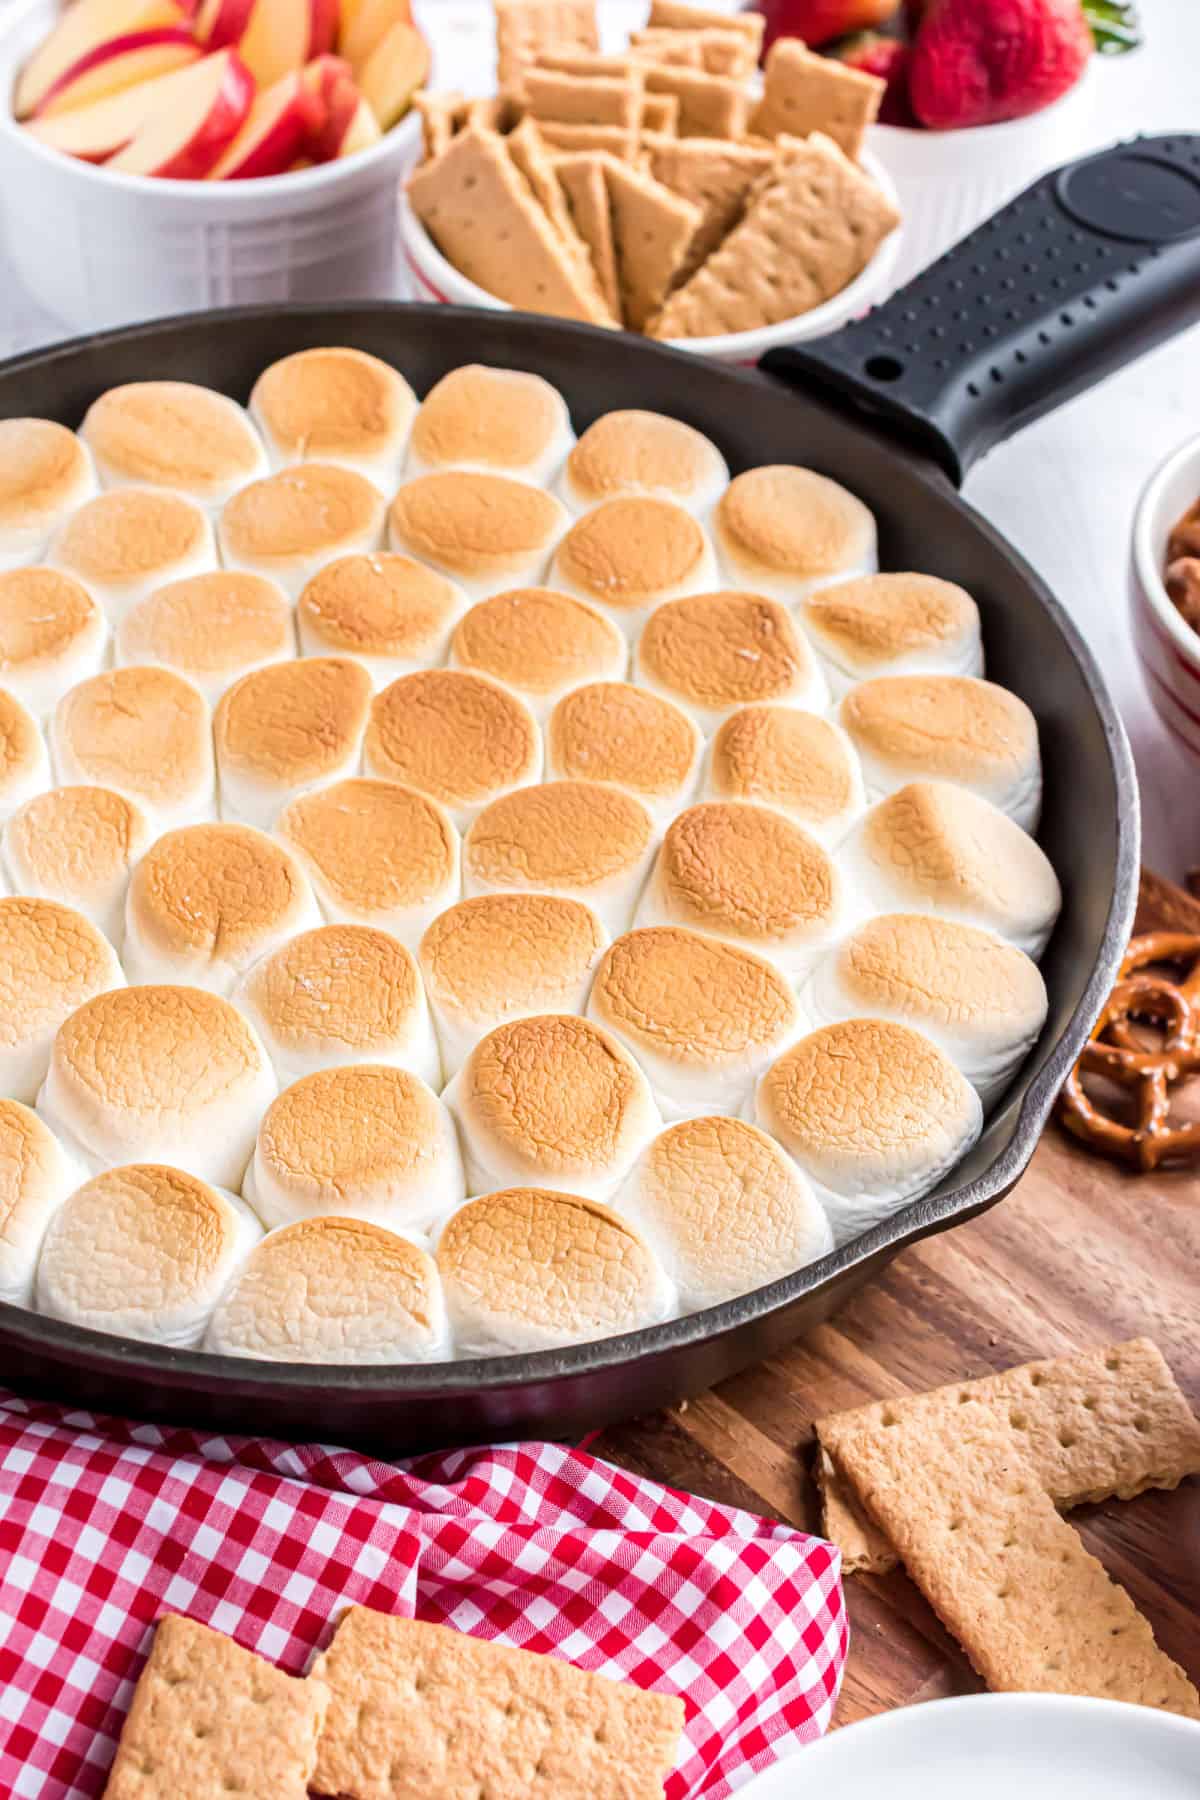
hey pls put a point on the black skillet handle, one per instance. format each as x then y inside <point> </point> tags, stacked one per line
<point>1095,263</point>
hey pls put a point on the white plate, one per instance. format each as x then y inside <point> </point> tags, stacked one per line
<point>998,1747</point>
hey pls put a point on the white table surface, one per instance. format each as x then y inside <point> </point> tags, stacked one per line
<point>1065,490</point>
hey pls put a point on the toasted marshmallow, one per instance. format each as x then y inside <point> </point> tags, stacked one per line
<point>77,845</point>
<point>53,960</point>
<point>780,756</point>
<point>143,1073</point>
<point>287,525</point>
<point>712,653</point>
<point>332,1290</point>
<point>376,854</point>
<point>980,1000</point>
<point>786,531</point>
<point>540,643</point>
<point>173,434</point>
<point>211,628</point>
<point>367,1142</point>
<point>461,739</point>
<point>207,901</point>
<point>24,764</point>
<point>624,737</point>
<point>486,532</point>
<point>578,838</point>
<point>45,473</point>
<point>633,452</point>
<point>553,1100</point>
<point>531,1270</point>
<point>144,732</point>
<point>506,956</point>
<point>335,406</point>
<point>144,1251</point>
<point>703,1018</point>
<point>340,994</point>
<point>893,625</point>
<point>393,615</point>
<point>747,874</point>
<point>52,634</point>
<point>500,421</point>
<point>947,728</point>
<point>628,555</point>
<point>934,848</point>
<point>283,730</point>
<point>874,1114</point>
<point>125,544</point>
<point>36,1175</point>
<point>724,1209</point>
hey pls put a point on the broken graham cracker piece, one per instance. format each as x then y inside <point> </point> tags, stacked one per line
<point>209,1718</point>
<point>496,112</point>
<point>584,62</point>
<point>660,115</point>
<point>1104,1423</point>
<point>572,139</point>
<point>422,1711</point>
<point>524,27</point>
<point>803,93</point>
<point>715,176</point>
<point>981,1538</point>
<point>652,229</point>
<point>709,105</point>
<point>528,151</point>
<point>810,226</point>
<point>441,116</point>
<point>476,206</point>
<point>669,49</point>
<point>583,182</point>
<point>585,100</point>
<point>675,15</point>
<point>717,52</point>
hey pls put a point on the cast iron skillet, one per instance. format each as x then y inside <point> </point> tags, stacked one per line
<point>1085,269</point>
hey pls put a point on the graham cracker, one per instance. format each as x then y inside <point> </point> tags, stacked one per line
<point>209,1718</point>
<point>584,62</point>
<point>528,150</point>
<point>717,52</point>
<point>497,112</point>
<point>660,114</point>
<point>574,138</point>
<point>674,15</point>
<point>583,183</point>
<point>810,226</point>
<point>1102,1424</point>
<point>669,49</point>
<point>803,93</point>
<point>476,206</point>
<point>420,1712</point>
<point>652,231</point>
<point>981,1538</point>
<point>709,105</point>
<point>585,100</point>
<point>525,27</point>
<point>715,176</point>
<point>441,116</point>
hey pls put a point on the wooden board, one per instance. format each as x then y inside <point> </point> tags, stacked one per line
<point>1080,1253</point>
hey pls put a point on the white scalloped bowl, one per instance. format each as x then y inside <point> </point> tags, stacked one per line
<point>436,279</point>
<point>98,248</point>
<point>1168,648</point>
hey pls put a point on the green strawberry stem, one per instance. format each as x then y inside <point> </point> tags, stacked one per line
<point>1114,24</point>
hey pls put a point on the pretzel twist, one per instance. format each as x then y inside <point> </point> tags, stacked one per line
<point>1115,1051</point>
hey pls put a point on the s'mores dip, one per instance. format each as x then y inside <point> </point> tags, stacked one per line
<point>479,874</point>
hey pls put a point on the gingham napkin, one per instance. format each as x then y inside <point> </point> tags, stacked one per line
<point>105,1524</point>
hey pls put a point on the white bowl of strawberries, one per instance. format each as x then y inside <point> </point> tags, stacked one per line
<point>162,155</point>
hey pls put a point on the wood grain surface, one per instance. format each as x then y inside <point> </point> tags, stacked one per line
<point>1080,1253</point>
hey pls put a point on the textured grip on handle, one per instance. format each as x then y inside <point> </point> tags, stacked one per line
<point>1095,263</point>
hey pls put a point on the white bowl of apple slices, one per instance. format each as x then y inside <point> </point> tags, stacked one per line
<point>161,155</point>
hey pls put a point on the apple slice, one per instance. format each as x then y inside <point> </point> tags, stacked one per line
<point>182,140</point>
<point>361,132</point>
<point>392,73</point>
<point>97,132</point>
<point>283,35</point>
<point>367,25</point>
<point>120,63</point>
<point>272,137</point>
<point>81,27</point>
<point>222,23</point>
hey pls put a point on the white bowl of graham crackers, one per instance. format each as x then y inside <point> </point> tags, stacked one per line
<point>665,188</point>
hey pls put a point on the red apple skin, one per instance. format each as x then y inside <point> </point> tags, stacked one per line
<point>320,80</point>
<point>271,149</point>
<point>225,117</point>
<point>221,23</point>
<point>820,21</point>
<point>339,116</point>
<point>85,23</point>
<point>102,53</point>
<point>324,21</point>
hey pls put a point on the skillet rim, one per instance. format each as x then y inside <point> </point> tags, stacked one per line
<point>141,1359</point>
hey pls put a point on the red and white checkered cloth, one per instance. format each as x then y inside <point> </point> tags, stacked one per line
<point>106,1524</point>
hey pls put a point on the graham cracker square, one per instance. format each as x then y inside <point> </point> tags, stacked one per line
<point>803,93</point>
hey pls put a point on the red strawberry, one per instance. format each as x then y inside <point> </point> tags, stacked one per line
<point>888,58</point>
<point>817,21</point>
<point>976,62</point>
